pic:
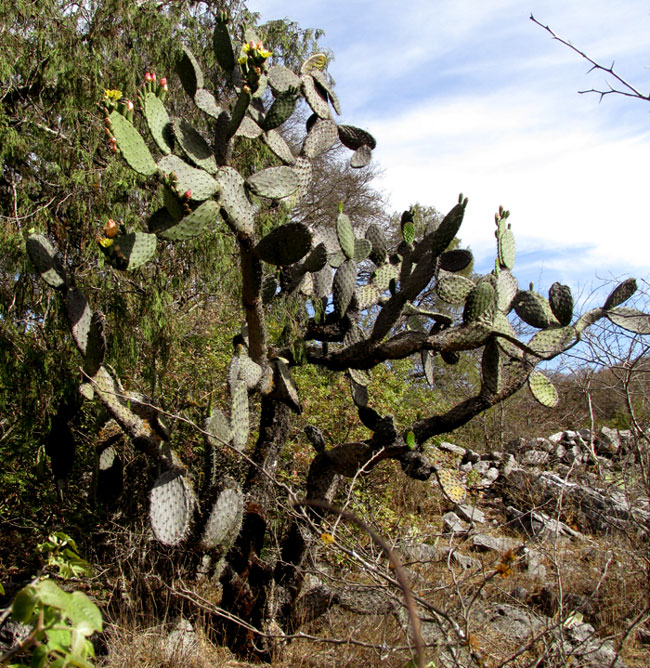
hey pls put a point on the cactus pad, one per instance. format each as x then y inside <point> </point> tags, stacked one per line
<point>322,136</point>
<point>362,249</point>
<point>158,122</point>
<point>455,260</point>
<point>438,240</point>
<point>452,485</point>
<point>274,182</point>
<point>366,296</point>
<point>561,302</point>
<point>316,259</point>
<point>249,371</point>
<point>345,282</point>
<point>197,181</point>
<point>217,427</point>
<point>79,316</point>
<point>427,366</point>
<point>285,244</point>
<point>507,289</point>
<point>189,72</point>
<point>194,224</point>
<point>491,367</point>
<point>379,245</point>
<point>205,101</point>
<point>345,235</point>
<point>315,62</point>
<point>95,346</point>
<point>480,304</point>
<point>194,146</point>
<point>222,47</point>
<point>506,248</point>
<point>531,309</point>
<point>283,106</point>
<point>542,389</point>
<point>130,251</point>
<point>234,200</point>
<point>282,79</point>
<point>249,128</point>
<point>354,138</point>
<point>630,319</point>
<point>279,146</point>
<point>620,293</point>
<point>171,506</point>
<point>239,416</point>
<point>285,388</point>
<point>550,342</point>
<point>316,97</point>
<point>225,519</point>
<point>383,276</point>
<point>361,157</point>
<point>132,145</point>
<point>44,258</point>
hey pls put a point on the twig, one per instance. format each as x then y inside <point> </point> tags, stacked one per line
<point>631,90</point>
<point>399,570</point>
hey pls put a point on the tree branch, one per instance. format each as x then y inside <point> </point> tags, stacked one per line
<point>631,90</point>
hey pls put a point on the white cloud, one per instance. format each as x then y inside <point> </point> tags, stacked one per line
<point>474,97</point>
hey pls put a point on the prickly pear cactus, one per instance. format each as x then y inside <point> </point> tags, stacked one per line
<point>369,297</point>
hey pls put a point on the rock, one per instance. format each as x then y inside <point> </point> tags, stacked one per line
<point>511,621</point>
<point>484,543</point>
<point>508,465</point>
<point>573,455</point>
<point>454,449</point>
<point>534,458</point>
<point>585,435</point>
<point>541,443</point>
<point>590,651</point>
<point>490,476</point>
<point>181,641</point>
<point>481,467</point>
<point>465,562</point>
<point>472,456</point>
<point>539,524</point>
<point>608,442</point>
<point>453,524</point>
<point>470,513</point>
<point>519,594</point>
<point>556,438</point>
<point>422,553</point>
<point>534,566</point>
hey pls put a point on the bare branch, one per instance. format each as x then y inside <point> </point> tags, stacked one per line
<point>631,90</point>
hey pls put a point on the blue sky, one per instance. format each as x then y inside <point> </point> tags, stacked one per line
<point>474,97</point>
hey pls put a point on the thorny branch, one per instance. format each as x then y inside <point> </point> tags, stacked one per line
<point>628,89</point>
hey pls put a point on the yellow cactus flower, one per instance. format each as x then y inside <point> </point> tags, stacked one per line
<point>112,94</point>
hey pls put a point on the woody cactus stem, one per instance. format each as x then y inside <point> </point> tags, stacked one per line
<point>251,269</point>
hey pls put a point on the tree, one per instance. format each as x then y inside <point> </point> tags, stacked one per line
<point>325,302</point>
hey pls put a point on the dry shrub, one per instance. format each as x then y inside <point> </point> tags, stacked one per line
<point>130,646</point>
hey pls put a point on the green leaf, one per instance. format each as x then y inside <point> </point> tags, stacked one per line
<point>410,440</point>
<point>51,594</point>
<point>83,613</point>
<point>23,606</point>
